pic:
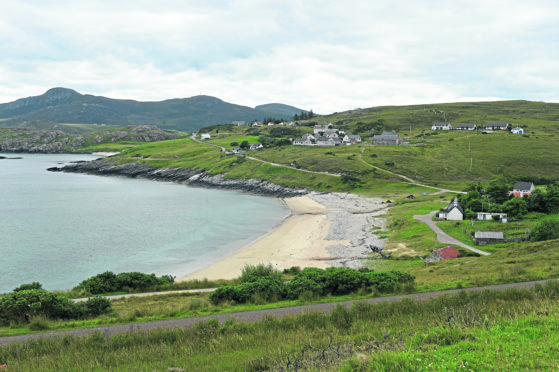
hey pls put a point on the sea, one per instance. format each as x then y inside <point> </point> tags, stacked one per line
<point>61,228</point>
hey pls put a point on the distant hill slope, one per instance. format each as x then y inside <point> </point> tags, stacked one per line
<point>417,118</point>
<point>280,108</point>
<point>62,105</point>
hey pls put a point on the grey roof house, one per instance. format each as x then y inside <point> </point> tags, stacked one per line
<point>488,237</point>
<point>441,126</point>
<point>466,126</point>
<point>497,125</point>
<point>386,138</point>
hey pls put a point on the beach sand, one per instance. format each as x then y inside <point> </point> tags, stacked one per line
<point>322,230</point>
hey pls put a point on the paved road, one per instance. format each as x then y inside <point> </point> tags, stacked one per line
<point>252,316</point>
<point>442,236</point>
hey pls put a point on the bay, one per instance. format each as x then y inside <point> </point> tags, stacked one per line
<point>61,228</point>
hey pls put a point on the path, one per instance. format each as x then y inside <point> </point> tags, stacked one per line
<point>115,297</point>
<point>442,236</point>
<point>253,316</point>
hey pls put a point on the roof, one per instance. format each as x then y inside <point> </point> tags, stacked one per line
<point>448,252</point>
<point>441,124</point>
<point>517,128</point>
<point>466,125</point>
<point>523,186</point>
<point>497,124</point>
<point>489,235</point>
<point>353,136</point>
<point>452,205</point>
<point>386,136</point>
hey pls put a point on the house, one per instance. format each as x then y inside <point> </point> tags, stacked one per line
<point>441,126</point>
<point>255,146</point>
<point>386,138</point>
<point>522,189</point>
<point>205,136</point>
<point>239,122</point>
<point>257,123</point>
<point>328,141</point>
<point>498,125</point>
<point>466,126</point>
<point>236,150</point>
<point>453,212</point>
<point>319,129</point>
<point>488,237</point>
<point>485,216</point>
<point>446,253</point>
<point>350,139</point>
<point>306,140</point>
<point>517,130</point>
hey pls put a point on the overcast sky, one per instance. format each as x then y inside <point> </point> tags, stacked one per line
<point>322,55</point>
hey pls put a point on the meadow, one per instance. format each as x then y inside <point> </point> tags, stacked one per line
<point>511,330</point>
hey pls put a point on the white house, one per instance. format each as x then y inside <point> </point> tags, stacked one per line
<point>441,126</point>
<point>521,189</point>
<point>239,122</point>
<point>517,130</point>
<point>486,216</point>
<point>466,126</point>
<point>350,139</point>
<point>497,125</point>
<point>255,146</point>
<point>205,136</point>
<point>453,212</point>
<point>257,124</point>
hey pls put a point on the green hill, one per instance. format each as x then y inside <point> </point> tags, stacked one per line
<point>285,110</point>
<point>60,106</point>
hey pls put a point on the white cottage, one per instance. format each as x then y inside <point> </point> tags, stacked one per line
<point>453,212</point>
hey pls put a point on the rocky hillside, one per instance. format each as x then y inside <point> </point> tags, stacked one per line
<point>62,106</point>
<point>54,141</point>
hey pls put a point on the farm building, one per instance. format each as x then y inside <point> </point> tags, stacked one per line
<point>488,237</point>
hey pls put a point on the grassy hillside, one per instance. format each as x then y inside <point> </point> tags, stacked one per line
<point>534,116</point>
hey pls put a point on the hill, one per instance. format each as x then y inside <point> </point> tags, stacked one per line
<point>61,106</point>
<point>285,110</point>
<point>414,119</point>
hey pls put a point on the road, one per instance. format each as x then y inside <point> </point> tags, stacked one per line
<point>252,316</point>
<point>442,236</point>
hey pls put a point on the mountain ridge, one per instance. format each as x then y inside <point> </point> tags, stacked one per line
<point>63,105</point>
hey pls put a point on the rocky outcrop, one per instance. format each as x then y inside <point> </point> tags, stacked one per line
<point>56,141</point>
<point>193,177</point>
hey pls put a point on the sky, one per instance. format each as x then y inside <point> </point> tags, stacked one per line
<point>328,56</point>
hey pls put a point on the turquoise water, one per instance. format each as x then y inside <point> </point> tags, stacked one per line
<point>60,228</point>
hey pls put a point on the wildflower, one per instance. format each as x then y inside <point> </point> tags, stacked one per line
<point>4,366</point>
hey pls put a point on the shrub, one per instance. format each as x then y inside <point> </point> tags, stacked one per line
<point>266,288</point>
<point>22,305</point>
<point>251,273</point>
<point>342,280</point>
<point>98,305</point>
<point>234,144</point>
<point>109,282</point>
<point>545,230</point>
<point>24,287</point>
<point>300,285</point>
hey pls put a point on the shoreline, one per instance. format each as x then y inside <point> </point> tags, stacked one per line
<point>322,230</point>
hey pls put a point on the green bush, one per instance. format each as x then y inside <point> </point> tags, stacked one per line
<point>109,282</point>
<point>251,273</point>
<point>23,287</point>
<point>22,305</point>
<point>545,230</point>
<point>267,288</point>
<point>295,288</point>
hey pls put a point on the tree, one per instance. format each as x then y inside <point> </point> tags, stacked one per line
<point>552,199</point>
<point>311,114</point>
<point>499,193</point>
<point>516,207</point>
<point>245,145</point>
<point>545,230</point>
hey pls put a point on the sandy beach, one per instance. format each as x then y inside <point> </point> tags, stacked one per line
<point>322,230</point>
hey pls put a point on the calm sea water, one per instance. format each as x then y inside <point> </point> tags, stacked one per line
<point>61,228</point>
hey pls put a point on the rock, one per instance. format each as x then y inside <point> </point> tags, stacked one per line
<point>105,167</point>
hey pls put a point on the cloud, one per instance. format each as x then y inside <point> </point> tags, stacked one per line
<point>324,55</point>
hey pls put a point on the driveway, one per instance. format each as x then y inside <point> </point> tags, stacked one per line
<point>442,236</point>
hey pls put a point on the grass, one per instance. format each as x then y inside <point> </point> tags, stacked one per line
<point>510,330</point>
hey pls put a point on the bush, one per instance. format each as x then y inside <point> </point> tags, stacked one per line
<point>266,288</point>
<point>545,230</point>
<point>251,273</point>
<point>109,282</point>
<point>295,288</point>
<point>22,305</point>
<point>24,287</point>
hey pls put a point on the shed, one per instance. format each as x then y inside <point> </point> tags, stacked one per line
<point>488,237</point>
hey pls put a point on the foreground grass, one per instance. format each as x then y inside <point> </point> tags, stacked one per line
<point>508,330</point>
